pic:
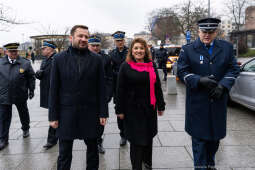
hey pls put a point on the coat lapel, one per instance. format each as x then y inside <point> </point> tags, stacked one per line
<point>216,49</point>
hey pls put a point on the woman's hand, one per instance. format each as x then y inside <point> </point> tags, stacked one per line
<point>121,116</point>
<point>160,113</point>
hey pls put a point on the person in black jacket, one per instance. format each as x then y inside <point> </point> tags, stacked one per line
<point>95,46</point>
<point>17,84</point>
<point>139,100</point>
<point>118,56</point>
<point>48,51</point>
<point>162,56</point>
<point>77,102</point>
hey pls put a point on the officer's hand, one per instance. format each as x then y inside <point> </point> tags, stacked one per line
<point>39,74</point>
<point>121,116</point>
<point>31,94</point>
<point>217,92</point>
<point>103,121</point>
<point>160,113</point>
<point>54,124</point>
<point>207,83</point>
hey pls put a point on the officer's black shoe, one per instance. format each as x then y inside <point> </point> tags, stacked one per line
<point>3,144</point>
<point>100,148</point>
<point>123,141</point>
<point>26,133</point>
<point>211,168</point>
<point>49,145</point>
<point>147,167</point>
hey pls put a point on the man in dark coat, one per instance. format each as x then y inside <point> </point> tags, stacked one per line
<point>118,56</point>
<point>48,51</point>
<point>162,56</point>
<point>95,46</point>
<point>17,83</point>
<point>77,104</point>
<point>209,69</point>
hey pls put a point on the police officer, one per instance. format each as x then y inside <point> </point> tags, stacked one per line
<point>161,56</point>
<point>95,46</point>
<point>209,69</point>
<point>48,51</point>
<point>17,83</point>
<point>118,56</point>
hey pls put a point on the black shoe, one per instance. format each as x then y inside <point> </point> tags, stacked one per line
<point>147,167</point>
<point>26,133</point>
<point>3,144</point>
<point>100,148</point>
<point>49,145</point>
<point>123,141</point>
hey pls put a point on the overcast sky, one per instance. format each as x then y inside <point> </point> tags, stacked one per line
<point>99,15</point>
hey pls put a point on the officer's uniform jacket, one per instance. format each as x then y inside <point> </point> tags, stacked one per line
<point>205,117</point>
<point>15,80</point>
<point>108,76</point>
<point>117,58</point>
<point>45,81</point>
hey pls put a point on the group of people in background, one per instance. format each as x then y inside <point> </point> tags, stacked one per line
<point>76,86</point>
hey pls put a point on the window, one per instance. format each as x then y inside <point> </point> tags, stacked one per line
<point>249,67</point>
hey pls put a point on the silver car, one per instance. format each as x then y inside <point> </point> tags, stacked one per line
<point>243,91</point>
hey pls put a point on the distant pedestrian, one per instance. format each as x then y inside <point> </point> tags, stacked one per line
<point>209,69</point>
<point>139,100</point>
<point>48,51</point>
<point>162,56</point>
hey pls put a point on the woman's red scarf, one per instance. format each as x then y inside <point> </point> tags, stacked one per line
<point>148,67</point>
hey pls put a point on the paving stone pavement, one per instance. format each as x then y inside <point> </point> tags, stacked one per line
<point>171,147</point>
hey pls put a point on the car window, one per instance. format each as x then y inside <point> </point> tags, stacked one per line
<point>249,67</point>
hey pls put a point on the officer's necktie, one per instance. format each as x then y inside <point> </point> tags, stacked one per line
<point>12,61</point>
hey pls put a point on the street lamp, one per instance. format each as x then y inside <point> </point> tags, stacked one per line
<point>208,8</point>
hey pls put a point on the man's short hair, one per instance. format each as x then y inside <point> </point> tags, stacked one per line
<point>76,27</point>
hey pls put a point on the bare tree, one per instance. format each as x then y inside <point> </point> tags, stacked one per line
<point>6,19</point>
<point>60,39</point>
<point>236,9</point>
<point>163,23</point>
<point>176,20</point>
<point>105,43</point>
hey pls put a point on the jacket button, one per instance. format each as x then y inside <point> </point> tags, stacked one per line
<point>210,62</point>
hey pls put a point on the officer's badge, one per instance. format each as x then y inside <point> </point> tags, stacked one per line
<point>21,70</point>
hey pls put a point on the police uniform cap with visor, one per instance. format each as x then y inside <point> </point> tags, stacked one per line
<point>11,46</point>
<point>118,35</point>
<point>94,40</point>
<point>208,25</point>
<point>48,44</point>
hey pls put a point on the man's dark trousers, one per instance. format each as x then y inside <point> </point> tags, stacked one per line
<point>65,154</point>
<point>52,139</point>
<point>6,115</point>
<point>204,153</point>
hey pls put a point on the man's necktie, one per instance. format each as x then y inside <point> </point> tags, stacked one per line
<point>12,61</point>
